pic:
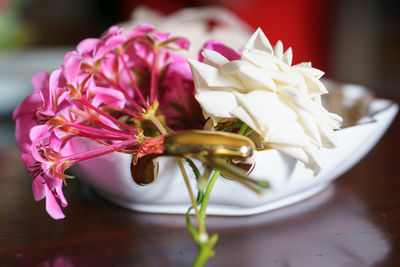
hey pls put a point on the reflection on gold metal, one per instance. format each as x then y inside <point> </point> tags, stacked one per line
<point>145,170</point>
<point>208,143</point>
<point>247,167</point>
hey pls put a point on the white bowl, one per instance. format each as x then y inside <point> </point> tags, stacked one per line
<point>291,182</point>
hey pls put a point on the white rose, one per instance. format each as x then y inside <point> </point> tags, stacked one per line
<point>194,24</point>
<point>280,102</point>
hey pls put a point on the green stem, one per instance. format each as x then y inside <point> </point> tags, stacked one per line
<point>243,129</point>
<point>189,188</point>
<point>158,124</point>
<point>206,244</point>
<point>206,251</point>
<point>207,194</point>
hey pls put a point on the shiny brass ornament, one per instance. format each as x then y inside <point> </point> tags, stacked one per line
<point>212,148</point>
<point>208,143</point>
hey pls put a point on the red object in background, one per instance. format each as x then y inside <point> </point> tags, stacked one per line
<point>303,25</point>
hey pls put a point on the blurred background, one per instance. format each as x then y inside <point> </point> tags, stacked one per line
<point>354,41</point>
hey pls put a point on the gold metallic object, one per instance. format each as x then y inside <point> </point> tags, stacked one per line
<point>206,146</point>
<point>208,143</point>
<point>145,170</point>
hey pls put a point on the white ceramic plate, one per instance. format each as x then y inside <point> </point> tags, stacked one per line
<point>291,181</point>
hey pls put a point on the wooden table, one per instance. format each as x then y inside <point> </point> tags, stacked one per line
<point>355,222</point>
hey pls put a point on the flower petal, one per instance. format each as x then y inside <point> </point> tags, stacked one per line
<point>205,76</point>
<point>72,65</point>
<point>251,76</point>
<point>40,81</point>
<point>213,58</point>
<point>259,41</point>
<point>278,49</point>
<point>52,206</point>
<point>39,188</point>
<point>222,49</point>
<point>264,107</point>
<point>39,132</point>
<point>288,56</point>
<point>307,156</point>
<point>109,97</point>
<point>217,103</point>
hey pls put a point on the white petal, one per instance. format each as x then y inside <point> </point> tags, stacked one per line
<point>261,59</point>
<point>328,136</point>
<point>316,73</point>
<point>214,58</point>
<point>335,121</point>
<point>290,79</point>
<point>308,156</point>
<point>217,103</point>
<point>292,135</point>
<point>206,76</point>
<point>288,56</point>
<point>315,86</point>
<point>278,49</point>
<point>310,126</point>
<point>270,113</point>
<point>259,41</point>
<point>303,64</point>
<point>252,77</point>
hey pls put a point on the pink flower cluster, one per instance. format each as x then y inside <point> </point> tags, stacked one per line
<point>108,91</point>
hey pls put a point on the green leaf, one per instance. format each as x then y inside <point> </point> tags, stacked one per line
<point>200,197</point>
<point>236,125</point>
<point>248,131</point>
<point>194,168</point>
<point>243,129</point>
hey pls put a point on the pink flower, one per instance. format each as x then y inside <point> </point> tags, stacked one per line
<point>104,92</point>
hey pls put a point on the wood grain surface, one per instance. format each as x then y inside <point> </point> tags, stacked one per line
<point>355,222</point>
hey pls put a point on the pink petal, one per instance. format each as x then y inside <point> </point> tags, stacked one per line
<point>219,47</point>
<point>62,97</point>
<point>39,132</point>
<point>87,46</point>
<point>29,106</point>
<point>52,182</point>
<point>40,80</point>
<point>109,97</point>
<point>141,29</point>
<point>53,86</point>
<point>108,65</point>
<point>26,155</point>
<point>52,206</point>
<point>180,69</point>
<point>35,153</point>
<point>60,195</point>
<point>54,141</point>
<point>61,134</point>
<point>161,36</point>
<point>115,30</point>
<point>108,122</point>
<point>182,43</point>
<point>111,44</point>
<point>39,188</point>
<point>23,126</point>
<point>145,28</point>
<point>72,65</point>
